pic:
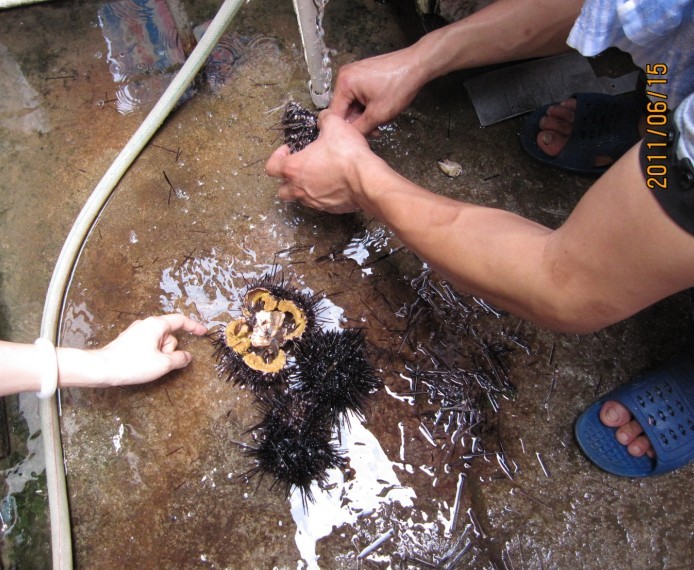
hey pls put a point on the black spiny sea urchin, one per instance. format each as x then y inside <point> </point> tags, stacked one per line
<point>300,126</point>
<point>293,445</point>
<point>332,367</point>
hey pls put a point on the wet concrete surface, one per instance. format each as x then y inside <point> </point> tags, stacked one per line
<point>155,478</point>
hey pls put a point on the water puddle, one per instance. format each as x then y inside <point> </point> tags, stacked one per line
<point>205,288</point>
<point>367,494</point>
<point>362,248</point>
<point>232,51</point>
<point>78,329</point>
<point>144,50</point>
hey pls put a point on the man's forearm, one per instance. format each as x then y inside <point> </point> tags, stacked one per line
<point>507,30</point>
<point>455,238</point>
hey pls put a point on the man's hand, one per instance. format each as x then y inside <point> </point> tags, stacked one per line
<point>324,175</point>
<point>372,92</point>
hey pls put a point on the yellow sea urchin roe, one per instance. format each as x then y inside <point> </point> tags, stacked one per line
<point>258,299</point>
<point>296,324</point>
<point>256,362</point>
<point>237,335</point>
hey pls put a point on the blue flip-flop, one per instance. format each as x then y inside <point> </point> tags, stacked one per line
<point>662,402</point>
<point>604,125</point>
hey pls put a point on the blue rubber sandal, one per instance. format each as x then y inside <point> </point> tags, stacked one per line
<point>604,125</point>
<point>662,402</point>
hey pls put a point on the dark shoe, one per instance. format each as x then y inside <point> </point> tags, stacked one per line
<point>604,125</point>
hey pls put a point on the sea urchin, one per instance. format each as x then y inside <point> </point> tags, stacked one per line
<point>293,445</point>
<point>332,366</point>
<point>300,126</point>
<point>251,349</point>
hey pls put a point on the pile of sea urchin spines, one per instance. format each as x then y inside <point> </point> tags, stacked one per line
<point>299,125</point>
<point>305,385</point>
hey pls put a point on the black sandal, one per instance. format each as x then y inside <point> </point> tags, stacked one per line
<point>604,125</point>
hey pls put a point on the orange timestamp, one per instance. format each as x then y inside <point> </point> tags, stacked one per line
<point>657,119</point>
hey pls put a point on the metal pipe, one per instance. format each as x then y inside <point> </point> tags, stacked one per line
<point>309,14</point>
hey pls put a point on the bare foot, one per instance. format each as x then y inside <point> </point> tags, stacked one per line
<point>629,432</point>
<point>556,128</point>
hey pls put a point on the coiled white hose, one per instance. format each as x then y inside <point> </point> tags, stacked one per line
<point>61,536</point>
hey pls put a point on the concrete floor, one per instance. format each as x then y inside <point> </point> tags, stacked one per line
<point>154,476</point>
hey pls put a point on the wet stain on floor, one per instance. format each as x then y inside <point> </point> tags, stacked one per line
<point>154,473</point>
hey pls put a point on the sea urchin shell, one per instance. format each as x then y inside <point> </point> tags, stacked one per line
<point>251,349</point>
<point>266,326</point>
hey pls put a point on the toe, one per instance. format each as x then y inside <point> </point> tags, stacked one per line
<point>614,414</point>
<point>569,103</point>
<point>565,111</point>
<point>551,142</point>
<point>556,124</point>
<point>627,433</point>
<point>555,127</point>
<point>640,446</point>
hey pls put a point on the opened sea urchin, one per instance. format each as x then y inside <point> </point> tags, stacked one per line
<point>252,349</point>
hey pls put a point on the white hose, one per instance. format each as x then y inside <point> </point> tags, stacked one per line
<point>61,543</point>
<point>16,3</point>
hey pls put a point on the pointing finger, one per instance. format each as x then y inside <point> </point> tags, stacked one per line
<point>176,321</point>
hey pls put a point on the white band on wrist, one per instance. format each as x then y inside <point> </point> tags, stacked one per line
<point>49,374</point>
